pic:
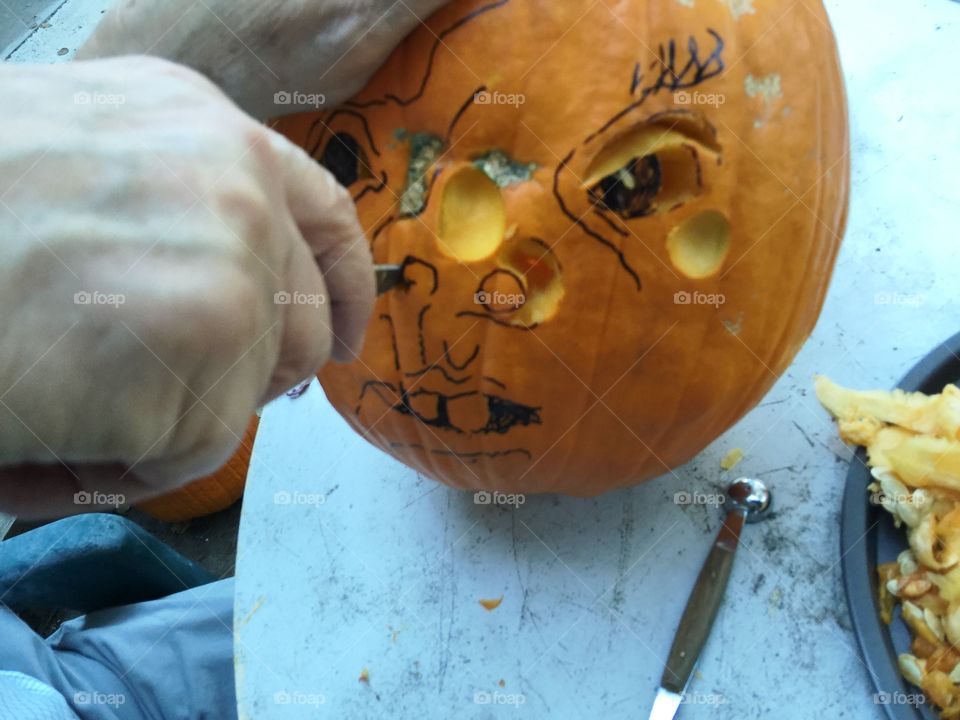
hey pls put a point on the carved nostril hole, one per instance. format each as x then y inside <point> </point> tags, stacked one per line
<point>535,263</point>
<point>502,292</point>
<point>699,245</point>
<point>473,217</point>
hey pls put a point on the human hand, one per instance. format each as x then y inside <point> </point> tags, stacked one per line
<point>317,52</point>
<point>168,265</point>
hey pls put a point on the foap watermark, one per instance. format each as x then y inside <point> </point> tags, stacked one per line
<point>95,297</point>
<point>684,297</point>
<point>283,697</point>
<point>880,498</point>
<point>699,98</point>
<point>483,697</point>
<point>485,97</point>
<point>485,497</point>
<point>300,99</point>
<point>99,98</point>
<point>499,299</point>
<point>898,298</point>
<point>685,497</point>
<point>899,698</point>
<point>85,698</point>
<point>283,497</point>
<point>703,699</point>
<point>299,298</point>
<point>99,499</point>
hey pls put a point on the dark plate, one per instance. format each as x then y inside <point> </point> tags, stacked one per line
<point>868,537</point>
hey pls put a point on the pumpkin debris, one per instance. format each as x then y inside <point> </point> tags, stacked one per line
<point>732,459</point>
<point>425,148</point>
<point>492,604</point>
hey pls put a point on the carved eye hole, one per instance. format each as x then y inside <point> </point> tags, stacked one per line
<point>653,167</point>
<point>346,159</point>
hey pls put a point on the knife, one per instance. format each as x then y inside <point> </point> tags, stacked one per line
<point>746,501</point>
<point>388,277</point>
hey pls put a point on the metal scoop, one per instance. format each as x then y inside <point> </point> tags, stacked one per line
<point>746,501</point>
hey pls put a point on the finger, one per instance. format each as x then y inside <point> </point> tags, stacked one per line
<point>307,339</point>
<point>327,219</point>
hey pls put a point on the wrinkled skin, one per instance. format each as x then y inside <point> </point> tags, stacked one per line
<point>148,228</point>
<point>254,49</point>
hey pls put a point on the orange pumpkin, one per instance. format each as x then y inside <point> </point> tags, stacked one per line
<point>617,224</point>
<point>210,494</point>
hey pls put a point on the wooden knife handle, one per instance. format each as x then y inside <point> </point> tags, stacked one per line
<point>703,605</point>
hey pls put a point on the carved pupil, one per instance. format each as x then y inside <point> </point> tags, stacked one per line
<point>630,191</point>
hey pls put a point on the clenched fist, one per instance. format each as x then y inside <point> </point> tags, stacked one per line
<point>167,264</point>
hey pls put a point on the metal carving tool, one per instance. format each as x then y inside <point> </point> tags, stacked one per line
<point>388,277</point>
<point>747,501</point>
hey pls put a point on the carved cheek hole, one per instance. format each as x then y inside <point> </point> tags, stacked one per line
<point>653,167</point>
<point>699,245</point>
<point>536,265</point>
<point>473,216</point>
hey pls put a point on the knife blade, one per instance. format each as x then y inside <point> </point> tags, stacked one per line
<point>388,277</point>
<point>665,705</point>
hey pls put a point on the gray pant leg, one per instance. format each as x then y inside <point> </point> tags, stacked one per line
<point>23,651</point>
<point>170,659</point>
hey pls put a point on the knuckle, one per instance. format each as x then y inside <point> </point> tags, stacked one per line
<point>242,203</point>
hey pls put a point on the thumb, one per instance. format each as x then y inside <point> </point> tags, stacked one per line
<point>327,221</point>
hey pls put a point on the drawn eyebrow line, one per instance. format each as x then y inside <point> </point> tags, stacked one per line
<point>700,76</point>
<point>324,123</point>
<point>433,54</point>
<point>375,189</point>
<point>583,226</point>
<point>462,111</point>
<point>598,211</point>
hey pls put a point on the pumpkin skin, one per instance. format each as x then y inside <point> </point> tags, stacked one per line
<point>647,264</point>
<point>210,494</point>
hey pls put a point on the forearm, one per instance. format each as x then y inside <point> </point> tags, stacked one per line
<point>315,51</point>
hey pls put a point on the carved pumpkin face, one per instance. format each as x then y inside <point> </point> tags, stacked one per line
<point>617,230</point>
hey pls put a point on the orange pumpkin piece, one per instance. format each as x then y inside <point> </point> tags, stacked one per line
<point>210,494</point>
<point>490,605</point>
<point>617,226</point>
